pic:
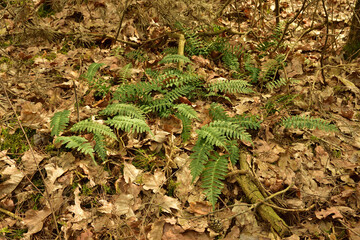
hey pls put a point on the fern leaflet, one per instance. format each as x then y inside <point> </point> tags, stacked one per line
<point>93,127</point>
<point>93,68</point>
<point>175,58</point>
<point>129,124</point>
<point>212,177</point>
<point>186,110</point>
<point>124,109</point>
<point>78,143</point>
<point>59,122</point>
<point>100,146</point>
<point>199,157</point>
<point>233,86</point>
<point>308,122</point>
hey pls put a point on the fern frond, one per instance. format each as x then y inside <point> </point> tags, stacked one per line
<point>233,86</point>
<point>248,122</point>
<point>175,58</point>
<point>231,130</point>
<point>100,146</point>
<point>212,177</point>
<point>124,109</point>
<point>59,122</point>
<point>178,92</point>
<point>93,127</point>
<point>231,61</point>
<point>308,122</point>
<point>93,68</point>
<point>199,157</point>
<point>234,152</point>
<point>276,83</point>
<point>254,71</point>
<point>186,111</point>
<point>139,91</point>
<point>160,105</point>
<point>186,124</point>
<point>212,136</point>
<point>125,72</point>
<point>129,124</point>
<point>175,77</point>
<point>217,112</point>
<point>78,143</point>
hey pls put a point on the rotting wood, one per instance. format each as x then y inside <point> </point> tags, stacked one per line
<point>253,194</point>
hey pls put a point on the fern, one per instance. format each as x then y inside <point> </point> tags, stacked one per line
<point>233,86</point>
<point>175,58</point>
<point>217,112</point>
<point>178,92</point>
<point>308,122</point>
<point>212,177</point>
<point>234,152</point>
<point>93,68</point>
<point>199,157</point>
<point>140,92</point>
<point>59,122</point>
<point>124,109</point>
<point>186,124</point>
<point>93,127</point>
<point>253,71</point>
<point>231,130</point>
<point>129,124</point>
<point>231,61</point>
<point>194,44</point>
<point>248,122</point>
<point>276,83</point>
<point>186,110</point>
<point>212,136</point>
<point>78,143</point>
<point>125,73</point>
<point>100,146</point>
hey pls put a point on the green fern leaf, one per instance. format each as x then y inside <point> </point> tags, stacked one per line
<point>129,124</point>
<point>233,86</point>
<point>308,122</point>
<point>178,92</point>
<point>248,122</point>
<point>213,176</point>
<point>125,72</point>
<point>175,58</point>
<point>217,112</point>
<point>59,122</point>
<point>186,110</point>
<point>212,136</point>
<point>276,83</point>
<point>124,109</point>
<point>186,124</point>
<point>234,152</point>
<point>78,143</point>
<point>199,157</point>
<point>93,127</point>
<point>100,146</point>
<point>231,130</point>
<point>93,68</point>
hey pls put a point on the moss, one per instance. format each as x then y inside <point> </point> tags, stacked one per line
<point>15,142</point>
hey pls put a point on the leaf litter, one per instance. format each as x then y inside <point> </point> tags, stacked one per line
<point>120,198</point>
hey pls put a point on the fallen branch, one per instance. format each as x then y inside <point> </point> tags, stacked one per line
<point>254,195</point>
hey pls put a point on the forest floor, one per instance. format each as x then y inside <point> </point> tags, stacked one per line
<point>143,188</point>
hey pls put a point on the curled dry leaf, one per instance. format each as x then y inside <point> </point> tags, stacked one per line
<point>11,176</point>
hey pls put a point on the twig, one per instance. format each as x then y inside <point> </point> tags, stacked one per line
<point>326,40</point>
<point>121,20</point>
<point>11,214</point>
